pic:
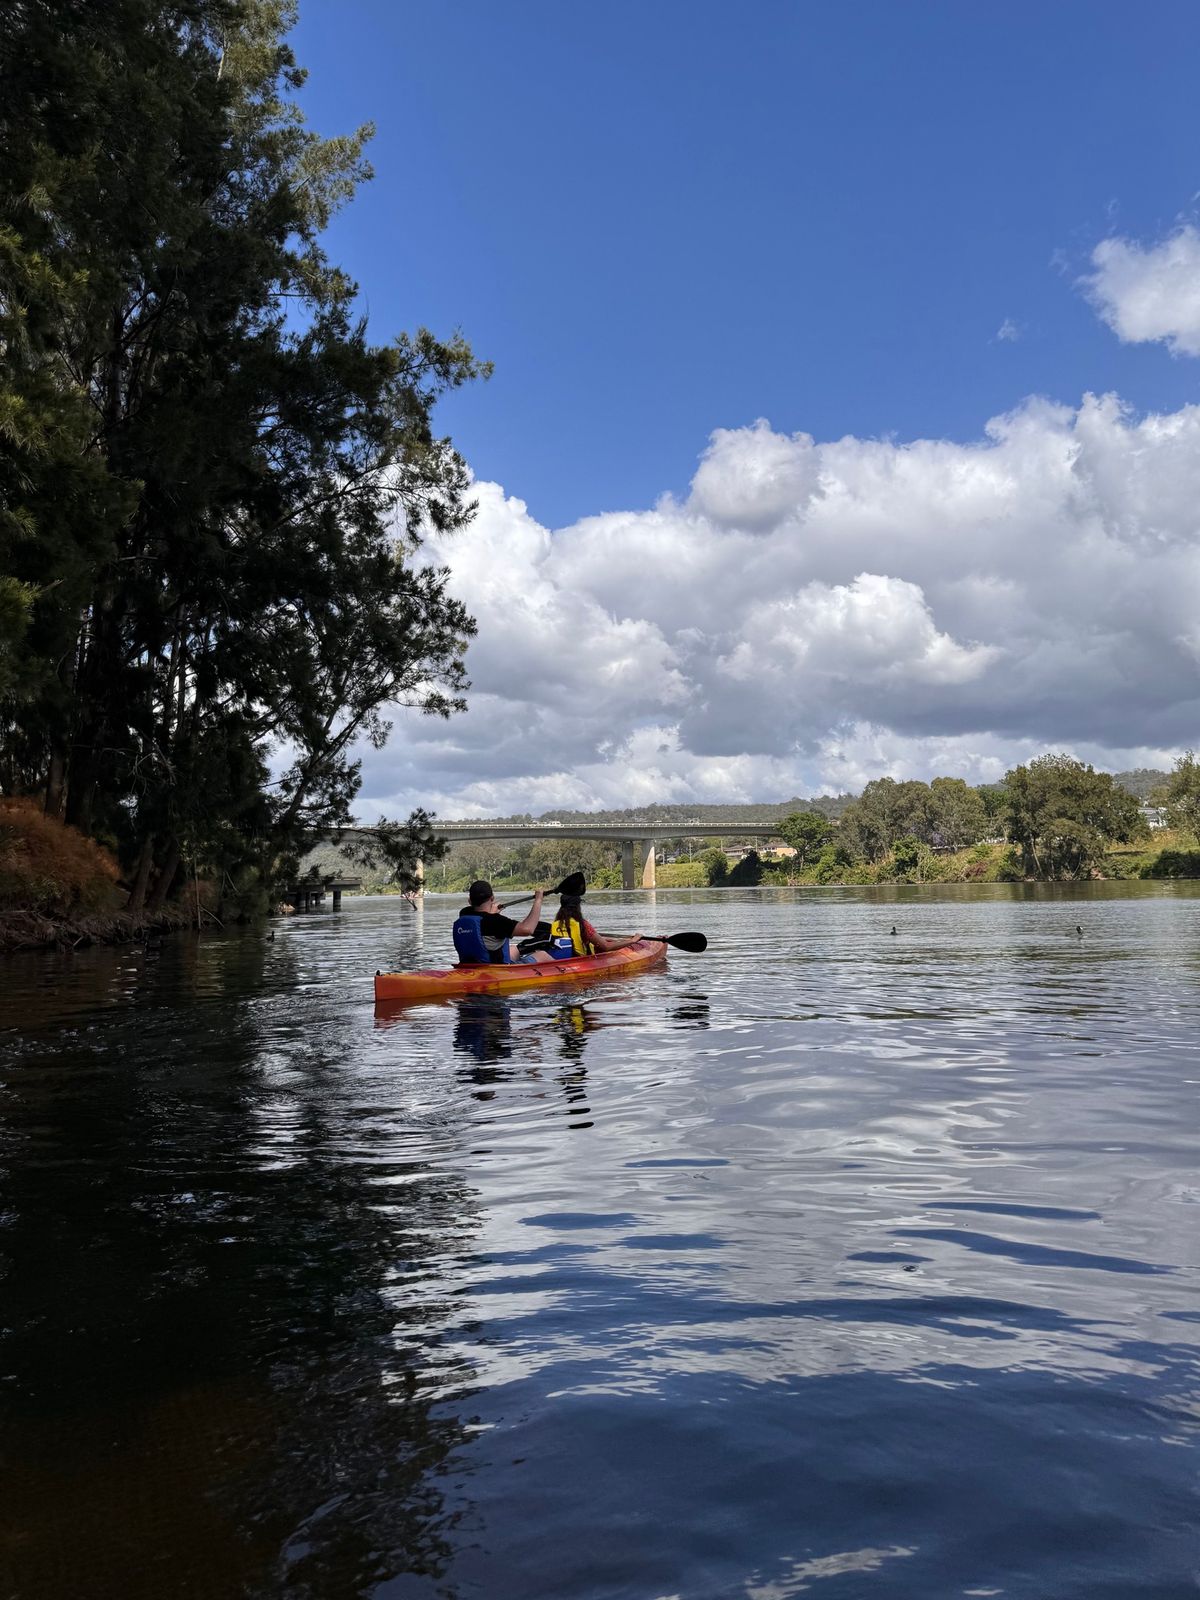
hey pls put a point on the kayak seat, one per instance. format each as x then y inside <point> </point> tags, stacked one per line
<point>468,942</point>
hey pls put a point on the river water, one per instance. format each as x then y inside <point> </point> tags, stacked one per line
<point>832,1263</point>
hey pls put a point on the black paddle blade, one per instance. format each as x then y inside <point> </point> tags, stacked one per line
<point>695,942</point>
<point>574,885</point>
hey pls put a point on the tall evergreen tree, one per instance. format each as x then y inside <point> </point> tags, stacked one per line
<point>213,486</point>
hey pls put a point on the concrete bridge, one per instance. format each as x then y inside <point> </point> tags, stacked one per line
<point>638,840</point>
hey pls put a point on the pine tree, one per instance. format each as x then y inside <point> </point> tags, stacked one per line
<point>214,486</point>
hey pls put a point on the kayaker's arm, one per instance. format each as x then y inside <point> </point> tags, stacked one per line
<point>531,918</point>
<point>605,942</point>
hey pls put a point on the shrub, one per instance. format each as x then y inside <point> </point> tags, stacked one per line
<point>716,867</point>
<point>1010,869</point>
<point>746,873</point>
<point>858,872</point>
<point>906,854</point>
<point>939,869</point>
<point>681,875</point>
<point>48,867</point>
<point>832,864</point>
<point>1173,864</point>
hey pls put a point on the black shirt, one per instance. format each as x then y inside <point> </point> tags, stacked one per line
<point>493,928</point>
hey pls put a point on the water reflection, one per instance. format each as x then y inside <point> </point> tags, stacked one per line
<point>693,1011</point>
<point>220,1321</point>
<point>484,1030</point>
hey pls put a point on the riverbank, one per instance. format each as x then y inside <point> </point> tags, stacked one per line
<point>34,930</point>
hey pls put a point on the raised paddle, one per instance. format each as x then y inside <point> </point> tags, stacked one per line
<point>574,884</point>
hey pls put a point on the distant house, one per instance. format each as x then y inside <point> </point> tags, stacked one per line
<point>1154,816</point>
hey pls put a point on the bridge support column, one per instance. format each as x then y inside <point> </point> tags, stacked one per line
<point>648,864</point>
<point>637,864</point>
<point>420,890</point>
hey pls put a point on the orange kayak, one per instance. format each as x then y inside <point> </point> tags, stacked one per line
<point>446,982</point>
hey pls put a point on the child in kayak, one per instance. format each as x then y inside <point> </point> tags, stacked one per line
<point>571,934</point>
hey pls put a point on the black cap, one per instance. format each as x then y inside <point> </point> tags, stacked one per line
<point>480,892</point>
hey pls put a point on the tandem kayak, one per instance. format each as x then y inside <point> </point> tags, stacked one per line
<point>438,982</point>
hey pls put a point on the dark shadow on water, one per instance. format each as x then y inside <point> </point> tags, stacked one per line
<point>218,1346</point>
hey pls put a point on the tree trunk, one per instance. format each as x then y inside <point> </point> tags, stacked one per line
<point>166,877</point>
<point>56,784</point>
<point>141,881</point>
<point>80,794</point>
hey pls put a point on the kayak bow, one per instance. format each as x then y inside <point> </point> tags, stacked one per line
<point>498,978</point>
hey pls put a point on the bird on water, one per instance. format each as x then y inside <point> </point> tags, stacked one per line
<point>893,927</point>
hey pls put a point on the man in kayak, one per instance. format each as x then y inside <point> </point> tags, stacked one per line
<point>571,934</point>
<point>496,931</point>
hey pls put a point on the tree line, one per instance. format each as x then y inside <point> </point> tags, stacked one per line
<point>1059,816</point>
<point>213,484</point>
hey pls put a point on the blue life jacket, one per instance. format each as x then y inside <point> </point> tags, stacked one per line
<point>468,942</point>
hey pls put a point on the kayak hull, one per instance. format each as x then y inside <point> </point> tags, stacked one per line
<point>396,988</point>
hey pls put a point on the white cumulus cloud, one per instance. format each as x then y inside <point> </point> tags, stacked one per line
<point>815,614</point>
<point>753,478</point>
<point>1150,293</point>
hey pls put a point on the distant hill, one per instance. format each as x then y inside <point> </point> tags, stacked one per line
<point>1140,781</point>
<point>690,817</point>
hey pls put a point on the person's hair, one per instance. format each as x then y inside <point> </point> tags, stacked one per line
<point>480,892</point>
<point>570,906</point>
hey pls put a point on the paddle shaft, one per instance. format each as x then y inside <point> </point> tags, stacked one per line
<point>695,942</point>
<point>574,884</point>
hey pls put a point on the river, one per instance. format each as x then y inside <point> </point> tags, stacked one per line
<point>833,1262</point>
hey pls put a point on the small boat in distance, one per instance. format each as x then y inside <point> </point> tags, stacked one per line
<point>436,983</point>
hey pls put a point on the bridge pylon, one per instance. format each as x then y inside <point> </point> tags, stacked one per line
<point>637,860</point>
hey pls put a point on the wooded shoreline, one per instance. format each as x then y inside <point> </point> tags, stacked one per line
<point>34,930</point>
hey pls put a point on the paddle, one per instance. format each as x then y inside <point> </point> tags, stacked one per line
<point>574,884</point>
<point>695,942</point>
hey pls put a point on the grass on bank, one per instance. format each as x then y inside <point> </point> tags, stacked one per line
<point>58,887</point>
<point>50,869</point>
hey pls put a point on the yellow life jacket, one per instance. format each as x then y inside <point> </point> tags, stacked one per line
<point>567,939</point>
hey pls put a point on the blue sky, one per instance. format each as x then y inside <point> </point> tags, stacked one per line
<point>659,219</point>
<point>949,253</point>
